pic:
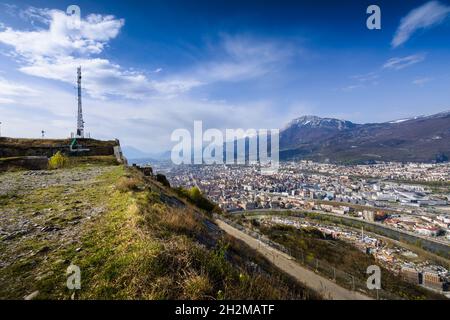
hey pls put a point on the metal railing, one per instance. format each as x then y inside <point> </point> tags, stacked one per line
<point>342,278</point>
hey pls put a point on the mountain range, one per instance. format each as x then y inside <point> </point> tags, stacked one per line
<point>133,153</point>
<point>418,139</point>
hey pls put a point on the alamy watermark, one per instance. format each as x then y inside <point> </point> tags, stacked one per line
<point>74,13</point>
<point>374,20</point>
<point>374,279</point>
<point>73,273</point>
<point>237,146</point>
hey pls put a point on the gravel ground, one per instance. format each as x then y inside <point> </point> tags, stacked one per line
<point>23,181</point>
<point>42,212</point>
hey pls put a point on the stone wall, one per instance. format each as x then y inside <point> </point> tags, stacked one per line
<point>11,147</point>
<point>20,163</point>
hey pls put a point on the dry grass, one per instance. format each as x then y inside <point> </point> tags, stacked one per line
<point>181,221</point>
<point>196,287</point>
<point>93,161</point>
<point>125,184</point>
<point>183,268</point>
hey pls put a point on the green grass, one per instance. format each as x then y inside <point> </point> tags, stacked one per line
<point>143,245</point>
<point>10,159</point>
<point>46,258</point>
<point>93,161</point>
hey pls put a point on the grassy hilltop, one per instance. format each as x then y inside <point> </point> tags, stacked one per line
<point>132,237</point>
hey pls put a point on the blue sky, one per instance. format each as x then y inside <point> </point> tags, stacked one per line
<point>154,66</point>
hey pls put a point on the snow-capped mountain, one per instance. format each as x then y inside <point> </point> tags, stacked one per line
<point>422,138</point>
<point>317,122</point>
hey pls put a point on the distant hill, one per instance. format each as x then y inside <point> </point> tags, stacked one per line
<point>419,139</point>
<point>133,153</point>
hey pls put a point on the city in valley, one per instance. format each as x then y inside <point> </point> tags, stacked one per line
<point>403,200</point>
<point>225,151</point>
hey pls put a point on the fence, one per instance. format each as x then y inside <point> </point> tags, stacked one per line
<point>344,279</point>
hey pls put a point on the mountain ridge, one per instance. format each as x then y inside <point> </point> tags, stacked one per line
<point>424,138</point>
<point>417,139</point>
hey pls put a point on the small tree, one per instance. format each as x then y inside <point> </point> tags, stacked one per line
<point>195,194</point>
<point>58,161</point>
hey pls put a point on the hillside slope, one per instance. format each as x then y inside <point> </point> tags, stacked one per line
<point>132,238</point>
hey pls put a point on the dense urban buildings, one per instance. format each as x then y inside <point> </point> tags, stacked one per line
<point>404,196</point>
<point>413,198</point>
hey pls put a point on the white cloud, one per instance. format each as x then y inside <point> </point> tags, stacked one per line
<point>9,9</point>
<point>375,77</point>
<point>34,15</point>
<point>231,59</point>
<point>362,81</point>
<point>159,104</point>
<point>102,78</point>
<point>244,57</point>
<point>149,125</point>
<point>421,81</point>
<point>366,78</point>
<point>54,53</point>
<point>6,100</point>
<point>9,91</point>
<point>399,63</point>
<point>352,87</point>
<point>428,15</point>
<point>175,86</point>
<point>146,124</point>
<point>60,38</point>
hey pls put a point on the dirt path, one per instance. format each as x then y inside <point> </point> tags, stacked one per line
<point>327,288</point>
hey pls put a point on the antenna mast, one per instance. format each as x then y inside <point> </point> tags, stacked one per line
<point>80,122</point>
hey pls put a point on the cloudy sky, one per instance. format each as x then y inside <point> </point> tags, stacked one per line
<point>155,66</point>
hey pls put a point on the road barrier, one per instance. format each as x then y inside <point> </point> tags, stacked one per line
<point>342,278</point>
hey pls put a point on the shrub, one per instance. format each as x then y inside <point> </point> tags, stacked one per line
<point>58,161</point>
<point>195,196</point>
